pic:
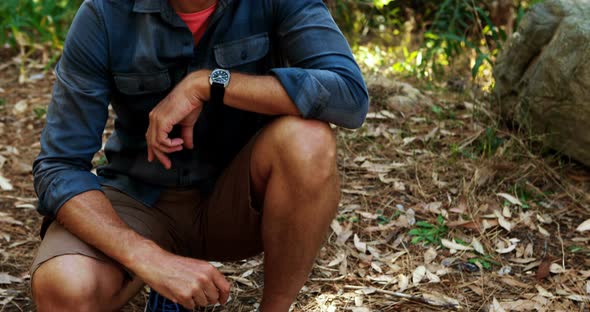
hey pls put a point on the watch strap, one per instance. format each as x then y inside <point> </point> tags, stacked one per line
<point>217,93</point>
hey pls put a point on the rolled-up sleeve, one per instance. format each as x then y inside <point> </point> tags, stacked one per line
<point>323,79</point>
<point>76,116</point>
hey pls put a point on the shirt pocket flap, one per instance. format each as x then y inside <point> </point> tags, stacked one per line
<point>242,51</point>
<point>142,83</point>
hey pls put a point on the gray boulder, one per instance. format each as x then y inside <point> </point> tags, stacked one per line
<point>543,76</point>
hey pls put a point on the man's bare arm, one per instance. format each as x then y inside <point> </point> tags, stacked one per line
<point>260,94</point>
<point>91,217</point>
<point>190,282</point>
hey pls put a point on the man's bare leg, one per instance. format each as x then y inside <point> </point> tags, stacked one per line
<point>294,175</point>
<point>80,283</point>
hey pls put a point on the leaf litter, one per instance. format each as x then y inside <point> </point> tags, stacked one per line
<point>400,172</point>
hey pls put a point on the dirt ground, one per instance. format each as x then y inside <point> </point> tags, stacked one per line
<point>443,208</point>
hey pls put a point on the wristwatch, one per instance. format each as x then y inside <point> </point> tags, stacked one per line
<point>219,80</point>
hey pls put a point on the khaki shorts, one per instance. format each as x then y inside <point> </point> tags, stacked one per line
<point>221,227</point>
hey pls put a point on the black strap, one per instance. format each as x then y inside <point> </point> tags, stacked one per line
<point>217,93</point>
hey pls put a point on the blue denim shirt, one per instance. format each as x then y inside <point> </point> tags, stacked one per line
<point>131,53</point>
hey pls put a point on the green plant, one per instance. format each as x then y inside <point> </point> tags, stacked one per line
<point>460,26</point>
<point>39,112</point>
<point>29,22</point>
<point>36,28</point>
<point>101,161</point>
<point>429,233</point>
<point>489,142</point>
<point>485,261</point>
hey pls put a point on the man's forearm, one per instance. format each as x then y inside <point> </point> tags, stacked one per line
<point>260,94</point>
<point>91,217</point>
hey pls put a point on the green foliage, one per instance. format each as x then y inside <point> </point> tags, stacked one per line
<point>459,27</point>
<point>485,261</point>
<point>368,19</point>
<point>489,142</point>
<point>426,39</point>
<point>36,23</point>
<point>427,233</point>
<point>39,112</point>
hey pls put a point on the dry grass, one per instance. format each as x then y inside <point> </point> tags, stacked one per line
<point>401,168</point>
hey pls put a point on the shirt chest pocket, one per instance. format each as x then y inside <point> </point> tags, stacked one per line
<point>137,84</point>
<point>246,54</point>
<point>138,93</point>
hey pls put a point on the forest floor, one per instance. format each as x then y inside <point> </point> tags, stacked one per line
<point>443,208</point>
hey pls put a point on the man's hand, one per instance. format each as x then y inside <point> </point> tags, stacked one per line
<point>189,282</point>
<point>181,107</point>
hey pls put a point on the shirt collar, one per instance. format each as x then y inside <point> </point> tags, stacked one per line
<point>153,6</point>
<point>147,6</point>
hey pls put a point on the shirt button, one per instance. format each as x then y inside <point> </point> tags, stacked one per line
<point>244,54</point>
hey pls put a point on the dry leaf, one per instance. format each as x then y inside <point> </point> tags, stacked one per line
<point>5,218</point>
<point>477,246</point>
<point>242,280</point>
<point>384,279</point>
<point>514,283</point>
<point>403,282</point>
<point>543,270</point>
<point>360,246</point>
<point>418,275</point>
<point>339,258</point>
<point>6,278</point>
<point>454,246</point>
<point>433,278</point>
<point>543,292</point>
<point>585,226</point>
<point>506,250</point>
<point>20,107</point>
<point>384,114</point>
<point>336,227</point>
<point>556,268</point>
<point>513,200</point>
<point>433,207</point>
<point>441,300</point>
<point>381,168</point>
<point>5,184</point>
<point>368,215</point>
<point>496,307</point>
<point>429,255</point>
<point>543,231</point>
<point>506,212</point>
<point>345,234</point>
<point>523,260</point>
<point>503,222</point>
<point>376,267</point>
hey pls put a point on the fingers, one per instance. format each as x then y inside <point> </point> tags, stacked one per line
<point>222,285</point>
<point>200,299</point>
<point>157,149</point>
<point>187,136</point>
<point>211,293</point>
<point>164,160</point>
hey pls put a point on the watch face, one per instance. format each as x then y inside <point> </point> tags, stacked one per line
<point>220,76</point>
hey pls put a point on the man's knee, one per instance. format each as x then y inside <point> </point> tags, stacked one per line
<point>75,283</point>
<point>306,147</point>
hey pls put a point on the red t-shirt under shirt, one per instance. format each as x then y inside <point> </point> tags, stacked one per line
<point>197,22</point>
